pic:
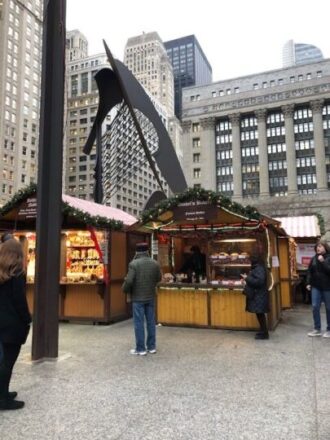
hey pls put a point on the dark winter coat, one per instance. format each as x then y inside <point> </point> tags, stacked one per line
<point>142,278</point>
<point>257,297</point>
<point>318,273</point>
<point>15,317</point>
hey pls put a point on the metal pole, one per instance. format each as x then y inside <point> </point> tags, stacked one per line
<point>49,192</point>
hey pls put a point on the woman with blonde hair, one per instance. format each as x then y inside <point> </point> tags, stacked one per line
<point>15,317</point>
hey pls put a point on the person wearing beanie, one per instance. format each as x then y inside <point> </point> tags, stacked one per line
<point>140,282</point>
<point>318,282</point>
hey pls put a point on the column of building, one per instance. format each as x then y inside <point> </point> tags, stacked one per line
<point>208,154</point>
<point>237,160</point>
<point>263,152</point>
<point>187,164</point>
<point>320,159</point>
<point>288,111</point>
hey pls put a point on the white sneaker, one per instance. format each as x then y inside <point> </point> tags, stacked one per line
<point>154,351</point>
<point>326,334</point>
<point>315,333</point>
<point>139,353</point>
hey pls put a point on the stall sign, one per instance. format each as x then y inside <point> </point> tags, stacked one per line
<point>28,209</point>
<point>305,252</point>
<point>194,210</point>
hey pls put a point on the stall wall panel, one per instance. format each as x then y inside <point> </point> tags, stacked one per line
<point>275,310</point>
<point>182,307</point>
<point>118,260</point>
<point>83,301</point>
<point>117,300</point>
<point>285,278</point>
<point>228,310</point>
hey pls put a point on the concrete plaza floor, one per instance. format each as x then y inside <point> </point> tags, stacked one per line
<point>202,384</point>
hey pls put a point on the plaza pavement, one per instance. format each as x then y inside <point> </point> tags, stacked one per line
<point>202,384</point>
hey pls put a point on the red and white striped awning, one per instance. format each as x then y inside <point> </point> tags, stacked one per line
<point>301,226</point>
<point>99,210</point>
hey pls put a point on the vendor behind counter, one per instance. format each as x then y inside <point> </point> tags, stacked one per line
<point>195,265</point>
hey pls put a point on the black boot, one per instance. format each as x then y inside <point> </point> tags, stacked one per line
<point>7,404</point>
<point>262,336</point>
<point>12,395</point>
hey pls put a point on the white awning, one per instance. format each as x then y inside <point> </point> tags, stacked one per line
<point>301,226</point>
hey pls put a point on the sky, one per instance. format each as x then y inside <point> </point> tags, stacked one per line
<point>238,37</point>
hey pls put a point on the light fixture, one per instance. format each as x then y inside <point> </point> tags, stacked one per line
<point>236,240</point>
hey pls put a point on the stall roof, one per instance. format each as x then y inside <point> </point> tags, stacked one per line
<point>96,209</point>
<point>301,226</point>
<point>22,207</point>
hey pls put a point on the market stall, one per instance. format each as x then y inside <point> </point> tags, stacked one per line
<point>95,250</point>
<point>226,234</point>
<point>306,231</point>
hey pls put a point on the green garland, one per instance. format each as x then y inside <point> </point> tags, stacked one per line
<point>195,194</point>
<point>18,197</point>
<point>321,222</point>
<point>84,217</point>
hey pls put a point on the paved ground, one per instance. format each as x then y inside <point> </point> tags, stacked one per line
<point>202,384</point>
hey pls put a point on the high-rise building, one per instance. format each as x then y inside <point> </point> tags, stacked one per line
<point>21,26</point>
<point>128,180</point>
<point>81,106</point>
<point>263,139</point>
<point>146,57</point>
<point>295,54</point>
<point>190,66</point>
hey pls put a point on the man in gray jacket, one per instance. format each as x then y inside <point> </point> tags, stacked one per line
<point>140,282</point>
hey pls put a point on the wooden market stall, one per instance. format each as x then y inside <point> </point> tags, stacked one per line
<point>95,250</point>
<point>227,234</point>
<point>305,231</point>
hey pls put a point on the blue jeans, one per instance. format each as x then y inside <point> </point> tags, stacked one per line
<point>319,296</point>
<point>147,310</point>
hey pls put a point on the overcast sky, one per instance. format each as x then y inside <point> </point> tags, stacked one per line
<point>238,37</point>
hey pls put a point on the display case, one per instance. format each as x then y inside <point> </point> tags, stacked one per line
<point>83,259</point>
<point>228,258</point>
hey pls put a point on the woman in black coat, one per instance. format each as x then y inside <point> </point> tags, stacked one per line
<point>15,318</point>
<point>256,291</point>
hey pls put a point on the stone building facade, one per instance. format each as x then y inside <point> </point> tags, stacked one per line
<point>263,139</point>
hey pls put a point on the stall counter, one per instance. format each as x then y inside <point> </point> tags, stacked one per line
<point>206,305</point>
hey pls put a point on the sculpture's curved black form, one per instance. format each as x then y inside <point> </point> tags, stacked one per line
<point>119,85</point>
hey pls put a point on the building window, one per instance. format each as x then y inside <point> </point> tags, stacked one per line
<point>196,143</point>
<point>197,173</point>
<point>196,157</point>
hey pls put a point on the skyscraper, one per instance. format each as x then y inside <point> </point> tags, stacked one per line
<point>190,66</point>
<point>146,57</point>
<point>81,106</point>
<point>295,54</point>
<point>20,74</point>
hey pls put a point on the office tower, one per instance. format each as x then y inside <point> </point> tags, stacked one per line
<point>295,54</point>
<point>20,80</point>
<point>128,180</point>
<point>146,57</point>
<point>81,107</point>
<point>190,66</point>
<point>263,139</point>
